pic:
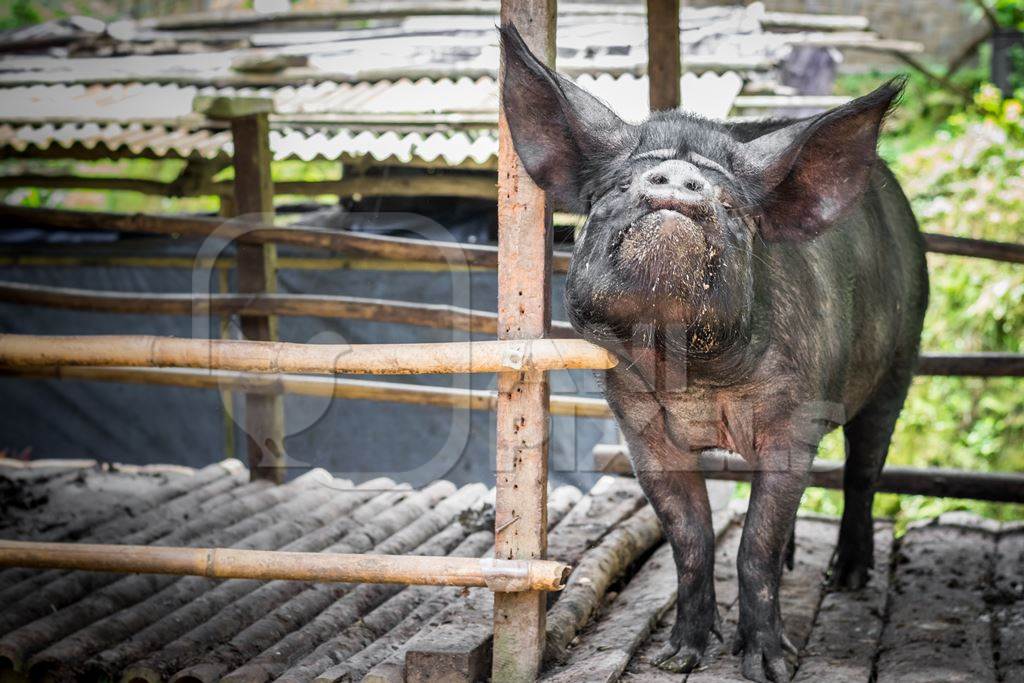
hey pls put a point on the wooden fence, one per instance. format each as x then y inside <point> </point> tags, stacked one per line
<point>528,345</point>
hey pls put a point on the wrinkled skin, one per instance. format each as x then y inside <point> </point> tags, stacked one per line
<point>762,283</point>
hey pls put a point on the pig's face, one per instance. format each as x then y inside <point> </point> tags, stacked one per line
<point>664,255</point>
<point>675,206</point>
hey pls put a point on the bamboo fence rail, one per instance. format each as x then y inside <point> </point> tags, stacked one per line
<point>27,350</point>
<point>308,385</point>
<point>436,316</point>
<point>268,565</point>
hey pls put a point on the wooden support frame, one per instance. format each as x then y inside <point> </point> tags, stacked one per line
<point>524,312</point>
<point>256,270</point>
<point>267,565</point>
<point>664,58</point>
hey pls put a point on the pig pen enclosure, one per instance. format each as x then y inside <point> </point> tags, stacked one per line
<point>320,578</point>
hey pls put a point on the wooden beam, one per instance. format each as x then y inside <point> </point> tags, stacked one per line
<point>1003,487</point>
<point>524,312</point>
<point>438,316</point>
<point>469,185</point>
<point>516,356</point>
<point>256,270</point>
<point>248,231</point>
<point>664,57</point>
<point>269,565</point>
<point>964,246</point>
<point>307,385</point>
<point>972,364</point>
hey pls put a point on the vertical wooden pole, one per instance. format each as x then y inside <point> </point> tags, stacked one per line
<point>257,265</point>
<point>664,62</point>
<point>524,312</point>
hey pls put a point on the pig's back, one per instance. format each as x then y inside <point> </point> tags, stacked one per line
<point>857,296</point>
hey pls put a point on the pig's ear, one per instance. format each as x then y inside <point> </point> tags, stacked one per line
<point>811,173</point>
<point>564,135</point>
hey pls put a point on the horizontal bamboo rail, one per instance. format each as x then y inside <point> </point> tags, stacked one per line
<point>266,565</point>
<point>379,246</point>
<point>437,316</point>
<point>307,385</point>
<point>1001,487</point>
<point>255,356</point>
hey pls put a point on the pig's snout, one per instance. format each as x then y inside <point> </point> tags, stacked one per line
<point>675,185</point>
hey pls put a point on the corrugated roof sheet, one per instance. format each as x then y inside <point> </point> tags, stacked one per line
<point>79,120</point>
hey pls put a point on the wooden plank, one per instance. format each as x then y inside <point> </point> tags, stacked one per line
<point>799,597</point>
<point>664,59</point>
<point>938,627</point>
<point>522,422</point>
<point>604,650</point>
<point>845,636</point>
<point>1008,602</point>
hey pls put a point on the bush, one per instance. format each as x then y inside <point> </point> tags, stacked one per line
<point>967,179</point>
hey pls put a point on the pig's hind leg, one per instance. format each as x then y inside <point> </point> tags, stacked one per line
<point>867,437</point>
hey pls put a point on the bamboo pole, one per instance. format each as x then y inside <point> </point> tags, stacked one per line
<point>306,385</point>
<point>17,350</point>
<point>268,565</point>
<point>1003,487</point>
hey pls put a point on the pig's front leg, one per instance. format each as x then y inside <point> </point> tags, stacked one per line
<point>676,489</point>
<point>774,497</point>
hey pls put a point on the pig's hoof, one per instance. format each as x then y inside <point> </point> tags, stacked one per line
<point>849,575</point>
<point>677,659</point>
<point>764,663</point>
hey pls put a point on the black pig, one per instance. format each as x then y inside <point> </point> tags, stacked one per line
<point>761,283</point>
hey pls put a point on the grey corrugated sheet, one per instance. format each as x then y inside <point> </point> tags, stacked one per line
<point>124,111</point>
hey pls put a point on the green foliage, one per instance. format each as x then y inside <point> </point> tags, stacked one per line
<point>964,173</point>
<point>19,13</point>
<point>1009,13</point>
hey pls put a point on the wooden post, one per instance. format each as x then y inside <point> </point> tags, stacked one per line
<point>664,64</point>
<point>257,264</point>
<point>524,312</point>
